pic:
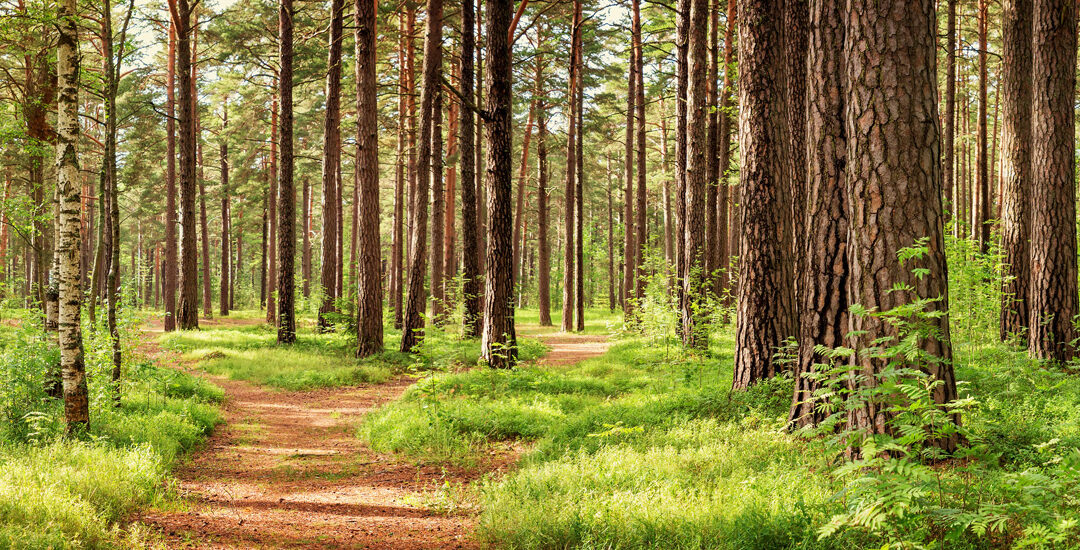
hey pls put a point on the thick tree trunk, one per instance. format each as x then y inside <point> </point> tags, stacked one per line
<point>767,312</point>
<point>796,15</point>
<point>72,365</point>
<point>1053,207</point>
<point>544,255</point>
<point>187,313</point>
<point>499,343</point>
<point>823,316</point>
<point>694,329</point>
<point>286,235</point>
<point>413,328</point>
<point>331,201</point>
<point>894,181</point>
<point>369,320</point>
<point>1015,163</point>
<point>470,255</point>
<point>171,271</point>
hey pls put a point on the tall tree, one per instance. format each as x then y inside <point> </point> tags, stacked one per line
<point>767,311</point>
<point>412,330</point>
<point>331,160</point>
<point>640,279</point>
<point>369,321</point>
<point>286,283</point>
<point>571,171</point>
<point>272,216</point>
<point>823,316</point>
<point>725,195</point>
<point>470,255</point>
<point>949,157</point>
<point>72,365</point>
<point>544,249</point>
<point>579,194</point>
<point>499,342</point>
<point>1015,163</point>
<point>796,15</point>
<point>397,237</point>
<point>187,314</point>
<point>894,179</point>
<point>225,293</point>
<point>1053,292</point>
<point>694,331</point>
<point>169,275</point>
<point>982,212</point>
<point>629,233</point>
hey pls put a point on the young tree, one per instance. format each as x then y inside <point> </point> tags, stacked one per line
<point>331,160</point>
<point>767,311</point>
<point>823,316</point>
<point>1053,291</point>
<point>369,321</point>
<point>1015,163</point>
<point>72,366</point>
<point>499,343</point>
<point>894,181</point>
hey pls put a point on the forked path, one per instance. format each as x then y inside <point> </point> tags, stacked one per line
<point>287,471</point>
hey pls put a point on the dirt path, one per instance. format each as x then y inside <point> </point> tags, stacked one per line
<point>287,471</point>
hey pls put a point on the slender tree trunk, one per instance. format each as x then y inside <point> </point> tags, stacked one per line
<point>571,170</point>
<point>272,212</point>
<point>499,343</point>
<point>610,239</point>
<point>331,201</point>
<point>369,320</point>
<point>1053,292</point>
<point>767,312</point>
<point>895,171</point>
<point>265,245</point>
<point>1016,20</point>
<point>982,218</point>
<point>640,278</point>
<point>225,293</point>
<point>286,234</point>
<point>72,366</point>
<point>170,274</point>
<point>397,247</point>
<point>694,330</point>
<point>725,195</point>
<point>470,255</point>
<point>682,14</point>
<point>438,198</point>
<point>449,234</point>
<point>823,316</point>
<point>413,329</point>
<point>579,195</point>
<point>523,172</point>
<point>948,159</point>
<point>712,133</point>
<point>305,228</point>
<point>188,308</point>
<point>629,232</point>
<point>543,275</point>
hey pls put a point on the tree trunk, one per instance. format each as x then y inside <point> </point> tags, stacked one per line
<point>397,247</point>
<point>543,275</point>
<point>725,195</point>
<point>982,218</point>
<point>272,212</point>
<point>438,198</point>
<point>369,321</point>
<point>682,13</point>
<point>286,234</point>
<point>823,316</point>
<point>948,159</point>
<point>796,15</point>
<point>629,232</point>
<point>571,163</point>
<point>694,329</point>
<point>265,245</point>
<point>640,279</point>
<point>170,272</point>
<point>1053,207</point>
<point>894,170</point>
<point>712,136</point>
<point>523,171</point>
<point>225,293</point>
<point>470,255</point>
<point>579,194</point>
<point>72,366</point>
<point>305,228</point>
<point>499,343</point>
<point>331,159</point>
<point>412,331</point>
<point>1016,163</point>
<point>767,313</point>
<point>187,314</point>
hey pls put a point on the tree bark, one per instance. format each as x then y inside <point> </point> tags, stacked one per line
<point>982,217</point>
<point>369,319</point>
<point>1016,20</point>
<point>543,275</point>
<point>579,195</point>
<point>499,342</point>
<point>640,277</point>
<point>438,198</point>
<point>272,212</point>
<point>1053,290</point>
<point>725,195</point>
<point>894,181</point>
<point>823,316</point>
<point>571,171</point>
<point>694,330</point>
<point>188,308</point>
<point>397,247</point>
<point>470,254</point>
<point>767,313</point>
<point>949,157</point>
<point>286,235</point>
<point>72,365</point>
<point>170,274</point>
<point>331,159</point>
<point>225,293</point>
<point>629,232</point>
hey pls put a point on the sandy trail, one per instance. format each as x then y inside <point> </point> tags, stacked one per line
<point>287,471</point>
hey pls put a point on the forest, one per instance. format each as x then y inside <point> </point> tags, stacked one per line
<point>544,274</point>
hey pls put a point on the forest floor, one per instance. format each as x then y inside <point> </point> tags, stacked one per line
<point>287,470</point>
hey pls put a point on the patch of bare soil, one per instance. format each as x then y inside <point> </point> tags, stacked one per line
<point>287,471</point>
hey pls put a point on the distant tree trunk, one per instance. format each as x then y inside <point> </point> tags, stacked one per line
<point>629,232</point>
<point>982,218</point>
<point>169,275</point>
<point>369,320</point>
<point>640,279</point>
<point>725,195</point>
<point>272,213</point>
<point>478,151</point>
<point>239,263</point>
<point>523,172</point>
<point>894,170</point>
<point>712,133</point>
<point>948,159</point>
<point>767,312</point>
<point>611,240</point>
<point>188,309</point>
<point>286,235</point>
<point>413,329</point>
<point>571,164</point>
<point>204,232</point>
<point>438,199</point>
<point>543,275</point>
<point>1053,291</point>
<point>305,228</point>
<point>225,294</point>
<point>694,332</point>
<point>331,159</point>
<point>449,235</point>
<point>499,343</point>
<point>72,366</point>
<point>682,14</point>
<point>265,245</point>
<point>470,227</point>
<point>579,194</point>
<point>1016,163</point>
<point>397,247</point>
<point>823,316</point>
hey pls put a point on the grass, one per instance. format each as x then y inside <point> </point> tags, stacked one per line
<point>58,492</point>
<point>245,348</point>
<point>647,447</point>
